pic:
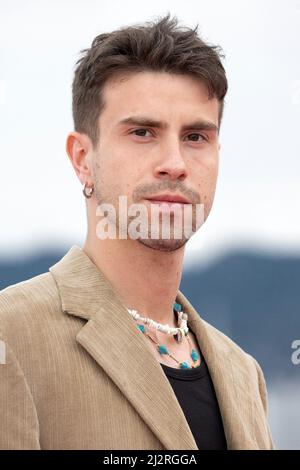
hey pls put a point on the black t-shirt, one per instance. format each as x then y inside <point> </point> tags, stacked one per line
<point>196,395</point>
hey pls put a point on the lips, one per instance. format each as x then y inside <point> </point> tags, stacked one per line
<point>169,198</point>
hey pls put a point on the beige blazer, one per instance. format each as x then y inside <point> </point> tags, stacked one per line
<point>78,374</point>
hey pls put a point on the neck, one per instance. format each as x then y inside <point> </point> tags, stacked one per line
<point>145,279</point>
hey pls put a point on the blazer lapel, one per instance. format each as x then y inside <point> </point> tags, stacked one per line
<point>229,378</point>
<point>111,337</point>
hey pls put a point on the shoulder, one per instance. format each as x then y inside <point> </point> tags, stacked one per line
<point>240,355</point>
<point>217,335</point>
<point>244,363</point>
<point>28,301</point>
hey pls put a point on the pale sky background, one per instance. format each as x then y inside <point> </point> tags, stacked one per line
<point>258,191</point>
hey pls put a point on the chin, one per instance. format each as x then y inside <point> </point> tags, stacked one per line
<point>163,245</point>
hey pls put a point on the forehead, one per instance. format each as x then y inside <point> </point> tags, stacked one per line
<point>160,94</point>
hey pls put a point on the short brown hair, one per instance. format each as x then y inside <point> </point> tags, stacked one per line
<point>154,46</point>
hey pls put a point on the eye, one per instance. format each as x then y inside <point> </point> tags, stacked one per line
<point>195,137</point>
<point>140,132</point>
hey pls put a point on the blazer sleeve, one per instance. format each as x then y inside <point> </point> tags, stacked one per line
<point>264,399</point>
<point>19,427</point>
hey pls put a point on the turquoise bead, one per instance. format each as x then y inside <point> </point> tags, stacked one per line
<point>162,349</point>
<point>142,328</point>
<point>184,365</point>
<point>194,355</point>
<point>177,307</point>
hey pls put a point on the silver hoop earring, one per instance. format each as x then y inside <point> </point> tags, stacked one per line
<point>88,191</point>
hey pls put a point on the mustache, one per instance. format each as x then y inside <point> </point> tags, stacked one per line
<point>146,190</point>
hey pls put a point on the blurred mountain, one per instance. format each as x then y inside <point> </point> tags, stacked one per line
<point>16,270</point>
<point>253,298</point>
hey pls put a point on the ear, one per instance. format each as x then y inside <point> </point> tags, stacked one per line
<point>79,150</point>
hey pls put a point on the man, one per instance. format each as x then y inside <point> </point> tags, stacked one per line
<point>104,351</point>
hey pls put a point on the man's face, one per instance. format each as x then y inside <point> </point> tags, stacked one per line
<point>151,143</point>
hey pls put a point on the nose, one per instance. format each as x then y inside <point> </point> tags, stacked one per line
<point>171,164</point>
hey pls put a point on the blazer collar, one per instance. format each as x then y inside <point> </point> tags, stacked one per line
<point>110,336</point>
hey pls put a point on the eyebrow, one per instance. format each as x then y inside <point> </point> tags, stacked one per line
<point>199,124</point>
